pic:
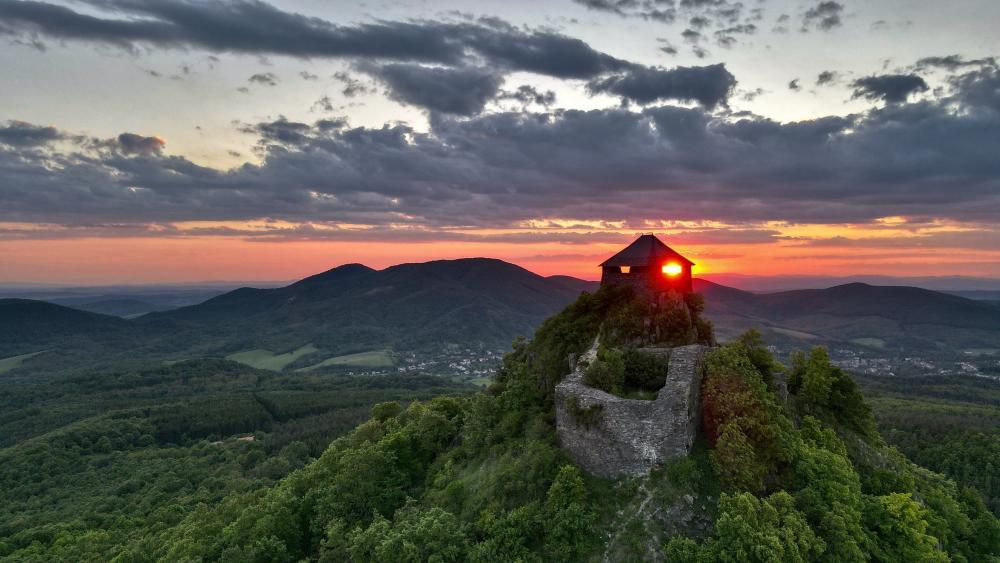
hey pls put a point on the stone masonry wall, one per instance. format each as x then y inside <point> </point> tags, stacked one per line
<point>628,436</point>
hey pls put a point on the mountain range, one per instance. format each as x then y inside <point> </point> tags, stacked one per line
<point>457,306</point>
<point>898,318</point>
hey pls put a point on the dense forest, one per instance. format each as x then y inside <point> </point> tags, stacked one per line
<point>802,476</point>
<point>90,462</point>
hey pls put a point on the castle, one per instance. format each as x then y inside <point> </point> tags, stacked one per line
<point>619,436</point>
<point>648,265</point>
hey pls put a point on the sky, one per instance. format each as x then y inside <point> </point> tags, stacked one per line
<point>182,140</point>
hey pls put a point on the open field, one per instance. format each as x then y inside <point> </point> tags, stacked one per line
<point>7,364</point>
<point>265,359</point>
<point>792,333</point>
<point>370,359</point>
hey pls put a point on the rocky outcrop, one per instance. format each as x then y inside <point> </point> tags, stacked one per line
<point>611,437</point>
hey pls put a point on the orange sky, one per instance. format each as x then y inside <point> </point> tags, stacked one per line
<point>103,260</point>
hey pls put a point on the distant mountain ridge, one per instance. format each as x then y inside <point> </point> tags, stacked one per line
<point>453,305</point>
<point>776,283</point>
<point>475,301</point>
<point>898,316</point>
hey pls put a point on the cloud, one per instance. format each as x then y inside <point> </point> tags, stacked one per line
<point>663,11</point>
<point>352,86</point>
<point>280,131</point>
<point>727,37</point>
<point>932,158</point>
<point>691,36</point>
<point>890,88</point>
<point>978,89</point>
<point>22,134</point>
<point>130,143</point>
<point>952,63</point>
<point>306,75</point>
<point>794,85</point>
<point>236,26</point>
<point>527,94</point>
<point>823,16</point>
<point>709,86</point>
<point>323,104</point>
<point>619,7</point>
<point>667,47</point>
<point>459,91</point>
<point>827,77</point>
<point>264,78</point>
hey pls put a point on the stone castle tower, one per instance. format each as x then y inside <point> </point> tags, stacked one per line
<point>648,265</point>
<point>611,436</point>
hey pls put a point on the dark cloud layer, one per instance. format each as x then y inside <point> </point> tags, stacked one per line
<point>440,66</point>
<point>255,27</point>
<point>130,143</point>
<point>458,91</point>
<point>933,158</point>
<point>21,134</point>
<point>709,86</point>
<point>890,88</point>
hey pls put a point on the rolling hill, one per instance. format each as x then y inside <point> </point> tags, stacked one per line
<point>465,303</point>
<point>891,317</point>
<point>356,315</point>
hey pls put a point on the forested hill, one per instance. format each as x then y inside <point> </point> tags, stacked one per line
<point>433,307</point>
<point>893,317</point>
<point>459,307</point>
<point>30,327</point>
<point>802,476</point>
<point>462,303</point>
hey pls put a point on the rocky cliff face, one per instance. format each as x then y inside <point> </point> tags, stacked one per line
<point>610,436</point>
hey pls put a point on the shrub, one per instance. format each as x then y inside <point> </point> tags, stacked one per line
<point>607,371</point>
<point>643,370</point>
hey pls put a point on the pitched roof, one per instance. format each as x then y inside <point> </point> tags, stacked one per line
<point>644,250</point>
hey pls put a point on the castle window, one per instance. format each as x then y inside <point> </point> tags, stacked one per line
<point>672,269</point>
<point>626,269</point>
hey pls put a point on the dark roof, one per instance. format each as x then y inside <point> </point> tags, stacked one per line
<point>643,251</point>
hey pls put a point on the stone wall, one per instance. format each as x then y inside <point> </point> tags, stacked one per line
<point>627,436</point>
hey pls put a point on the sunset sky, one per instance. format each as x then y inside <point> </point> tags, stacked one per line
<point>183,140</point>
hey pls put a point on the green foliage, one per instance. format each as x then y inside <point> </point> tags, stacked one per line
<point>853,495</point>
<point>947,424</point>
<point>384,411</point>
<point>742,419</point>
<point>569,518</point>
<point>607,371</point>
<point>900,530</point>
<point>622,318</point>
<point>112,459</point>
<point>751,529</point>
<point>752,342</point>
<point>566,334</point>
<point>825,390</point>
<point>415,535</point>
<point>643,370</point>
<point>626,372</point>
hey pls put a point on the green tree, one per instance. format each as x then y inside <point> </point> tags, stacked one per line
<point>900,528</point>
<point>569,519</point>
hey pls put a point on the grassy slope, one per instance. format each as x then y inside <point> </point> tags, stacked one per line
<point>371,359</point>
<point>265,359</point>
